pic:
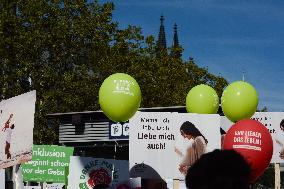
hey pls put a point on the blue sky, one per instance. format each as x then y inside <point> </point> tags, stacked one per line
<point>228,37</point>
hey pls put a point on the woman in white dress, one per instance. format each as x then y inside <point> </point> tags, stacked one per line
<point>223,133</point>
<point>281,153</point>
<point>195,150</point>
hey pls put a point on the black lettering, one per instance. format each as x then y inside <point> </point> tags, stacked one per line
<point>140,136</point>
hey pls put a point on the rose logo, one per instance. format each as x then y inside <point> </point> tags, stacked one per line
<point>99,176</point>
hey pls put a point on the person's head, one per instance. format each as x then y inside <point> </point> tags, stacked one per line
<point>222,169</point>
<point>12,126</point>
<point>189,131</point>
<point>282,125</point>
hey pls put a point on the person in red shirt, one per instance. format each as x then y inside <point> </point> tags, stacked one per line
<point>8,130</point>
<point>7,123</point>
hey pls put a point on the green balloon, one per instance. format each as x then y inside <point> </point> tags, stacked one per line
<point>119,97</point>
<point>239,101</point>
<point>202,99</point>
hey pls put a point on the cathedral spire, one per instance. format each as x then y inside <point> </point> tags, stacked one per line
<point>175,40</point>
<point>176,48</point>
<point>161,43</point>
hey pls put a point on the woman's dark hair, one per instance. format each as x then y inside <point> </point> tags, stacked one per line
<point>189,129</point>
<point>222,131</point>
<point>282,124</point>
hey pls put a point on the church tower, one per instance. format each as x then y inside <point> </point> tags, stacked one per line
<point>161,43</point>
<point>176,48</point>
<point>175,40</point>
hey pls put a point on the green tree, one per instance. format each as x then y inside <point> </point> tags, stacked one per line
<point>267,180</point>
<point>65,49</point>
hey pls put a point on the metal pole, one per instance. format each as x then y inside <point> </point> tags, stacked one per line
<point>176,184</point>
<point>277,175</point>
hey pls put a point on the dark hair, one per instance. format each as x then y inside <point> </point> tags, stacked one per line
<point>282,124</point>
<point>190,129</point>
<point>222,169</point>
<point>222,131</point>
<point>12,126</point>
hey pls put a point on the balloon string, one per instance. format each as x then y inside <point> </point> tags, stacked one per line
<point>243,75</point>
<point>112,173</point>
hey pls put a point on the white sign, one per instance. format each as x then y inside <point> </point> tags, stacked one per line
<point>2,178</point>
<point>16,134</point>
<point>164,145</point>
<point>55,186</point>
<point>87,172</point>
<point>135,183</point>
<point>119,131</point>
<point>272,121</point>
<point>170,184</point>
<point>18,177</point>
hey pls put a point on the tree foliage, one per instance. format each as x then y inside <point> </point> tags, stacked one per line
<point>267,180</point>
<point>65,49</point>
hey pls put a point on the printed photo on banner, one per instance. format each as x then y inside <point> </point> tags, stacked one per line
<point>97,172</point>
<point>16,134</point>
<point>226,124</point>
<point>274,122</point>
<point>164,144</point>
<point>197,135</point>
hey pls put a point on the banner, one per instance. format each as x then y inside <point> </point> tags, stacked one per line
<point>18,177</point>
<point>54,186</point>
<point>272,121</point>
<point>66,176</point>
<point>119,131</point>
<point>135,183</point>
<point>16,134</point>
<point>87,172</point>
<point>2,178</point>
<point>48,164</point>
<point>170,184</point>
<point>164,145</point>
